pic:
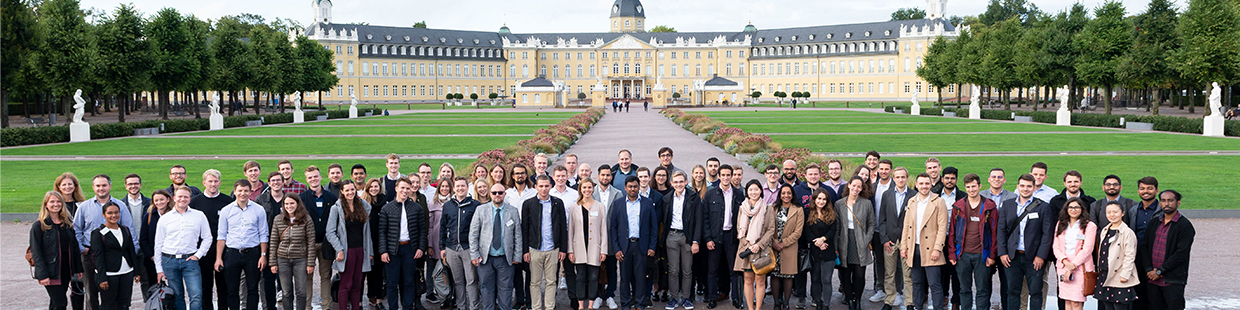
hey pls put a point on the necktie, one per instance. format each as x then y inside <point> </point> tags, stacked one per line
<point>497,232</point>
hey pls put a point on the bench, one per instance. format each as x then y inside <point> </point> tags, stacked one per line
<point>253,123</point>
<point>1139,126</point>
<point>146,131</point>
<point>36,121</point>
<point>178,113</point>
<point>321,117</point>
<point>372,112</point>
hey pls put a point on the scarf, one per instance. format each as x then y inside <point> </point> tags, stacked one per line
<point>752,231</point>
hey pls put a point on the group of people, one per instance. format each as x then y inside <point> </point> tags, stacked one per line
<point>618,235</point>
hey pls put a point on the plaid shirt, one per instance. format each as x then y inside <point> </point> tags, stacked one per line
<point>1160,246</point>
<point>295,188</point>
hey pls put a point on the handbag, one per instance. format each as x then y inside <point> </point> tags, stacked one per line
<point>764,263</point>
<point>1090,282</point>
<point>803,260</point>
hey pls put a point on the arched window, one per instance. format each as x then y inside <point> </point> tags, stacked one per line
<point>542,71</point>
<point>555,71</point>
<point>615,69</point>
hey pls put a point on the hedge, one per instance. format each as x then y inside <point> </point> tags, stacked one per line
<point>15,136</point>
<point>1161,122</point>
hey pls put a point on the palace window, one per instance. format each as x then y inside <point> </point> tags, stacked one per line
<point>542,70</point>
<point>906,88</point>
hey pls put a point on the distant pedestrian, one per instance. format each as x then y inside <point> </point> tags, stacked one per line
<point>646,105</point>
<point>626,106</point>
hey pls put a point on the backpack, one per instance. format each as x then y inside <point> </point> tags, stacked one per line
<point>161,297</point>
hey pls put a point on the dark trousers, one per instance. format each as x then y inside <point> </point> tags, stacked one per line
<point>1170,297</point>
<point>235,262</point>
<point>1003,285</point>
<point>821,285</point>
<point>971,269</point>
<point>521,278</point>
<point>1114,306</point>
<point>951,281</point>
<point>149,265</point>
<point>852,279</point>
<point>374,280</point>
<point>270,279</point>
<point>211,278</point>
<point>880,269</point>
<point>1022,270</point>
<point>570,273</point>
<point>90,288</point>
<point>56,296</point>
<point>719,265</point>
<point>495,283</point>
<point>401,292</point>
<point>699,270</point>
<point>609,267</point>
<point>926,278</point>
<point>350,294</point>
<point>119,292</point>
<point>633,276</point>
<point>583,282</point>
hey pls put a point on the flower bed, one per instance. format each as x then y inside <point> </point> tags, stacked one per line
<point>731,139</point>
<point>554,139</point>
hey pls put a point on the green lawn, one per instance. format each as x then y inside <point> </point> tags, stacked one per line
<point>431,121</point>
<point>1007,142</point>
<point>24,182</point>
<point>802,113</point>
<point>489,115</point>
<point>828,104</point>
<point>416,106</point>
<point>840,119</point>
<point>972,127</point>
<point>1194,176</point>
<point>318,145</point>
<point>384,130</point>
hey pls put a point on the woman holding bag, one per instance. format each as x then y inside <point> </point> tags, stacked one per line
<point>348,231</point>
<point>755,228</point>
<point>1117,254</point>
<point>1074,237</point>
<point>292,248</point>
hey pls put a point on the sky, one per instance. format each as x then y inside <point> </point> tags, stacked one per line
<point>583,15</point>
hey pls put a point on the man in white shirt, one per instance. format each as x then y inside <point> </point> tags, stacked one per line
<point>606,194</point>
<point>561,190</point>
<point>135,200</point>
<point>570,163</point>
<point>424,174</point>
<point>181,237</point>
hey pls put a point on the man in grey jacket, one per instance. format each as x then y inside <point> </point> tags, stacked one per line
<point>495,245</point>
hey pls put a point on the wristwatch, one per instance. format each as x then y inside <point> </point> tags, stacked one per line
<point>1158,271</point>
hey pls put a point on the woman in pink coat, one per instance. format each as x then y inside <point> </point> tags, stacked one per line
<point>1074,243</point>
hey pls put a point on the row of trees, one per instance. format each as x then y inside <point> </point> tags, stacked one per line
<point>1151,56</point>
<point>51,50</point>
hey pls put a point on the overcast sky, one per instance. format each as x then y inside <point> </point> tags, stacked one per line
<point>582,15</point>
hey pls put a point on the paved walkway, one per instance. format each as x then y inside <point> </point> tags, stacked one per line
<point>643,133</point>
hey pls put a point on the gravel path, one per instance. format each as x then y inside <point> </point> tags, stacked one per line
<point>643,133</point>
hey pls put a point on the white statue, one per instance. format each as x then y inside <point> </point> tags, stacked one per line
<point>215,103</point>
<point>297,101</point>
<point>1063,98</point>
<point>914,99</point>
<point>79,108</point>
<point>975,96</point>
<point>916,108</point>
<point>1216,100</point>
<point>353,101</point>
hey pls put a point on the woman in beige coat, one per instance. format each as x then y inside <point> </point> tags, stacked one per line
<point>1117,253</point>
<point>921,245</point>
<point>789,221</point>
<point>587,243</point>
<point>755,228</point>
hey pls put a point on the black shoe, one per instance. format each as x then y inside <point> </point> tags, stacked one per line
<point>711,304</point>
<point>738,304</point>
<point>909,307</point>
<point>886,307</point>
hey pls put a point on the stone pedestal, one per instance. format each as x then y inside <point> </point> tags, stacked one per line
<point>79,132</point>
<point>217,122</point>
<point>352,112</point>
<point>1063,118</point>
<point>915,109</point>
<point>299,117</point>
<point>975,111</point>
<point>1212,126</point>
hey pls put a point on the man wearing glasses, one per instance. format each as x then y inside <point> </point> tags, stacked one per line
<point>494,245</point>
<point>665,161</point>
<point>177,175</point>
<point>1111,186</point>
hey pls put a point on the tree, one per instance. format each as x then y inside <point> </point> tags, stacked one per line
<point>662,28</point>
<point>317,69</point>
<point>267,63</point>
<point>1102,44</point>
<point>199,59</point>
<point>1000,58</point>
<point>123,55</point>
<point>1153,39</point>
<point>940,66</point>
<point>231,71</point>
<point>290,68</point>
<point>908,14</point>
<point>168,38</point>
<point>1000,11</point>
<point>421,24</point>
<point>63,59</point>
<point>1211,43</point>
<point>19,39</point>
<point>1060,51</point>
<point>1031,63</point>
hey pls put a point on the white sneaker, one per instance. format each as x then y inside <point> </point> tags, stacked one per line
<point>929,305</point>
<point>598,302</point>
<point>899,302</point>
<point>878,297</point>
<point>563,284</point>
<point>611,303</point>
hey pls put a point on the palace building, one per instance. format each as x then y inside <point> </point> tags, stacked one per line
<point>850,62</point>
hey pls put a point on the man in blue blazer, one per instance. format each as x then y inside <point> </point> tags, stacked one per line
<point>1025,230</point>
<point>633,242</point>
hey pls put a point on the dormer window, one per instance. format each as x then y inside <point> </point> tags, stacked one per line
<point>830,35</point>
<point>406,38</point>
<point>424,39</point>
<point>811,37</point>
<point>848,35</point>
<point>492,42</point>
<point>387,37</point>
<point>442,40</point>
<point>368,37</point>
<point>777,39</point>
<point>867,33</point>
<point>475,41</point>
<point>887,33</point>
<point>794,38</point>
<point>761,39</point>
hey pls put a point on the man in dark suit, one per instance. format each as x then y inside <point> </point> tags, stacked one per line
<point>1025,232</point>
<point>1111,186</point>
<point>890,227</point>
<point>632,229</point>
<point>544,230</point>
<point>722,204</point>
<point>681,232</point>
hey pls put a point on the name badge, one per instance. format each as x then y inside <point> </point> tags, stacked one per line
<point>509,222</point>
<point>1080,237</point>
<point>1112,240</point>
<point>975,219</point>
<point>318,204</point>
<point>1033,216</point>
<point>593,213</point>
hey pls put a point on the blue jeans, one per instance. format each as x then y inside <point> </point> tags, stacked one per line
<point>1022,270</point>
<point>402,294</point>
<point>971,267</point>
<point>184,276</point>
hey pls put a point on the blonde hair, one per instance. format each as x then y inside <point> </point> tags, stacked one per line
<point>211,172</point>
<point>65,218</point>
<point>77,187</point>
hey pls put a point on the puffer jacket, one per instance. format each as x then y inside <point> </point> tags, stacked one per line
<point>294,242</point>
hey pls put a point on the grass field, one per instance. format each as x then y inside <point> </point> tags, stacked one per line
<point>1194,176</point>
<point>386,130</point>
<point>431,121</point>
<point>970,127</point>
<point>297,145</point>
<point>417,106</point>
<point>24,182</point>
<point>489,115</point>
<point>1006,142</point>
<point>841,119</point>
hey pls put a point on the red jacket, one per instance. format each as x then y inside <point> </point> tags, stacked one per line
<point>990,227</point>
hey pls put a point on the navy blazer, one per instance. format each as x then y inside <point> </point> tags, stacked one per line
<point>713,212</point>
<point>618,225</point>
<point>531,225</point>
<point>1039,232</point>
